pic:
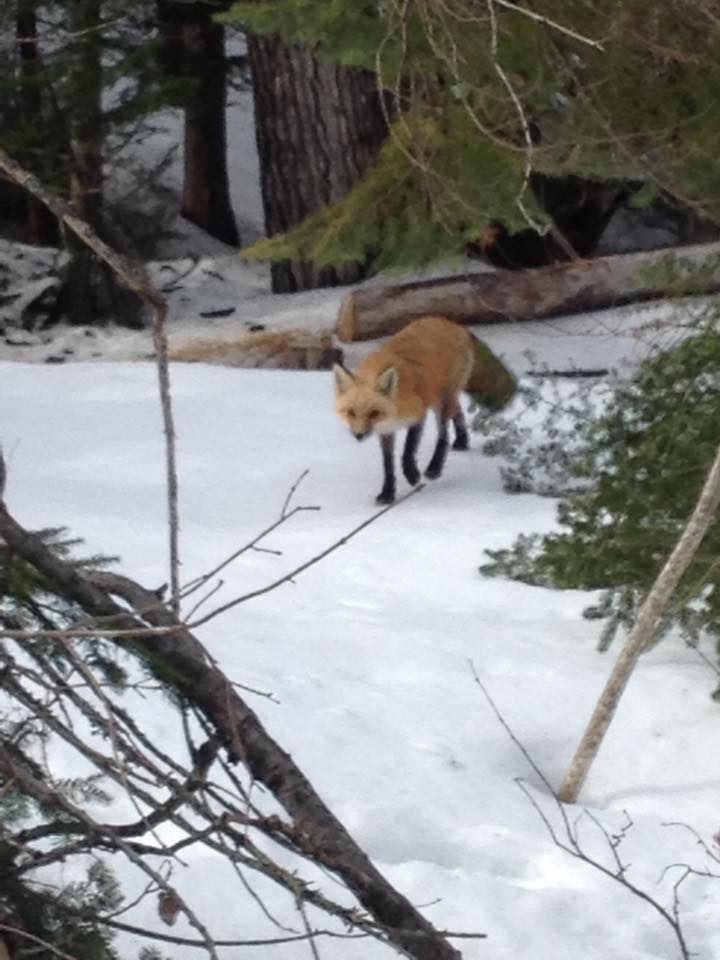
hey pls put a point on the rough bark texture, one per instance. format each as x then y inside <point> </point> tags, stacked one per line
<point>319,128</point>
<point>530,294</point>
<point>204,686</point>
<point>41,227</point>
<point>89,292</point>
<point>643,632</point>
<point>200,43</point>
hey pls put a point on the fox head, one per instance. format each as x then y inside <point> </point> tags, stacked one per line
<point>366,407</point>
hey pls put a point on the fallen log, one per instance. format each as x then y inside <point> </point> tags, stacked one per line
<point>176,653</point>
<point>562,288</point>
<point>272,349</point>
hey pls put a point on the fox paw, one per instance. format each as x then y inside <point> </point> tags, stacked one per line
<point>433,472</point>
<point>385,497</point>
<point>412,474</point>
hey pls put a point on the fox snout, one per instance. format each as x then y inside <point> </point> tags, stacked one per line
<point>361,434</point>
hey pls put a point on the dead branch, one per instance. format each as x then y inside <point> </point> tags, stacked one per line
<point>570,843</point>
<point>135,278</point>
<point>315,832</point>
<point>289,577</point>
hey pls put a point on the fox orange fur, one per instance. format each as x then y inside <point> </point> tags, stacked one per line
<point>423,367</point>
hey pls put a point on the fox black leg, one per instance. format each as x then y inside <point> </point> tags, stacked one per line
<point>461,434</point>
<point>409,464</point>
<point>387,445</point>
<point>437,461</point>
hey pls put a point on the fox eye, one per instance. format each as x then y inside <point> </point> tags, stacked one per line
<point>351,412</point>
<point>374,414</point>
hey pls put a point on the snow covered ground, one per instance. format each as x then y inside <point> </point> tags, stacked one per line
<point>369,653</point>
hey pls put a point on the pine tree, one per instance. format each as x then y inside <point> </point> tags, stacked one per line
<point>193,46</point>
<point>40,918</point>
<point>82,78</point>
<point>491,97</point>
<point>319,127</point>
<point>636,471</point>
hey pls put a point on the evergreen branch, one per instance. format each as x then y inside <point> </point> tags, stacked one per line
<point>642,633</point>
<point>40,941</point>
<point>184,663</point>
<point>34,787</point>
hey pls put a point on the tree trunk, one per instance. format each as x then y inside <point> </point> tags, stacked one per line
<point>41,227</point>
<point>206,191</point>
<point>319,128</point>
<point>559,289</point>
<point>89,292</point>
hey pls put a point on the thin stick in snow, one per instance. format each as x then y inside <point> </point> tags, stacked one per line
<point>642,633</point>
<point>134,277</point>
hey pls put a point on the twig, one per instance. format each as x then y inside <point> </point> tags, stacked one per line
<point>200,581</point>
<point>26,935</point>
<point>571,844</point>
<point>133,275</point>
<point>306,565</point>
<point>642,632</point>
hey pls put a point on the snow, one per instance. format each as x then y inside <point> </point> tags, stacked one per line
<point>370,654</point>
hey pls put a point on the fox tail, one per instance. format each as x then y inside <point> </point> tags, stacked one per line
<point>491,384</point>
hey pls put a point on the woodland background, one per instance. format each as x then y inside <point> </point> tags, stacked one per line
<point>482,157</point>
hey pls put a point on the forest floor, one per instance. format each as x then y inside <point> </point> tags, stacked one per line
<point>370,654</point>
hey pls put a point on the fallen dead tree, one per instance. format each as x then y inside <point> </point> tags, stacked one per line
<point>562,288</point>
<point>119,611</point>
<point>109,609</point>
<point>273,349</point>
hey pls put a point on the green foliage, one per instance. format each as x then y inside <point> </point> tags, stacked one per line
<point>350,33</point>
<point>637,469</point>
<point>28,601</point>
<point>640,102</point>
<point>406,213</point>
<point>63,915</point>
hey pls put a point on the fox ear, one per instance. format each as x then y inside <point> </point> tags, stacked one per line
<point>343,378</point>
<point>387,382</point>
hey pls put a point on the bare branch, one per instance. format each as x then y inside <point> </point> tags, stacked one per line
<point>571,844</point>
<point>133,276</point>
<point>643,631</point>
<point>316,834</point>
<point>307,564</point>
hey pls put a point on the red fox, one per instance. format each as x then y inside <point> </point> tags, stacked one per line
<point>424,366</point>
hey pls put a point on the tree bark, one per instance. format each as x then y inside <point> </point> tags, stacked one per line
<point>643,631</point>
<point>89,293</point>
<point>41,227</point>
<point>319,128</point>
<point>203,685</point>
<point>197,51</point>
<point>559,289</point>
